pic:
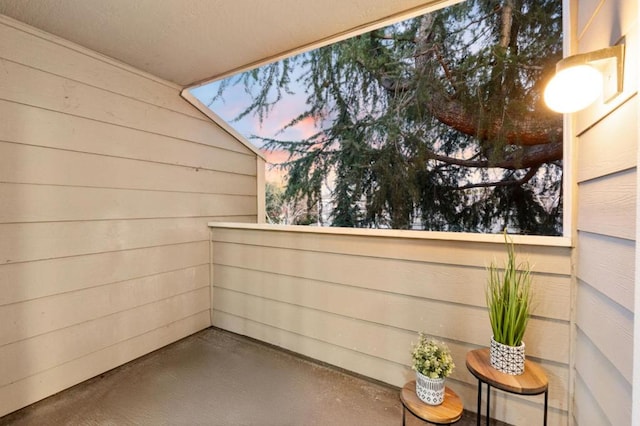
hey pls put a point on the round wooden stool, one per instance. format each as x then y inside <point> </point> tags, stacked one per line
<point>450,411</point>
<point>533,382</point>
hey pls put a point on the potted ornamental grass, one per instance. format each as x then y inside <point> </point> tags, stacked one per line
<point>432,362</point>
<point>508,295</point>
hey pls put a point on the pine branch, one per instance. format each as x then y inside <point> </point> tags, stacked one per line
<point>529,156</point>
<point>515,182</point>
<point>530,128</point>
<point>445,67</point>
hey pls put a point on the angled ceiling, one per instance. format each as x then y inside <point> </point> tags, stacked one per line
<point>190,41</point>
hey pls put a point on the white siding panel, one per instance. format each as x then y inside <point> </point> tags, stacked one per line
<point>68,132</point>
<point>22,242</point>
<point>458,323</point>
<point>587,411</point>
<point>48,382</point>
<point>47,166</point>
<point>607,264</point>
<point>20,45</point>
<point>608,205</point>
<point>31,280</point>
<point>107,181</point>
<point>454,283</point>
<point>379,293</point>
<point>608,326</point>
<point>543,258</point>
<point>610,20</point>
<point>237,219</point>
<point>608,387</point>
<point>36,88</point>
<point>610,146</point>
<point>586,9</point>
<point>43,315</point>
<point>26,357</point>
<point>43,203</point>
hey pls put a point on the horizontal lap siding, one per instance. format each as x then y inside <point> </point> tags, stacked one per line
<point>107,182</point>
<point>25,85</point>
<point>358,302</point>
<point>24,281</point>
<point>49,166</point>
<point>603,382</point>
<point>48,382</point>
<point>46,203</point>
<point>73,133</point>
<point>606,147</point>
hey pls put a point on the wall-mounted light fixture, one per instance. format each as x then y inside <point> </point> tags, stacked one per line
<point>581,79</point>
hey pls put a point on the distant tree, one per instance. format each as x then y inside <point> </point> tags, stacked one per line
<point>274,199</point>
<point>435,122</point>
<point>281,210</point>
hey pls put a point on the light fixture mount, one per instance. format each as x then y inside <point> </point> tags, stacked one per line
<point>567,96</point>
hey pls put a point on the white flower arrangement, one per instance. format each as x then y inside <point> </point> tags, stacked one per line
<point>432,358</point>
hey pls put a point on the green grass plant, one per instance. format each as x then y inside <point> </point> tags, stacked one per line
<point>508,295</point>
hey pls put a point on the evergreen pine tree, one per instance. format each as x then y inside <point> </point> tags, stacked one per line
<point>436,121</point>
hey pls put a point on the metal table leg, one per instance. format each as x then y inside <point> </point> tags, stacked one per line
<point>478,413</point>
<point>488,401</point>
<point>546,402</point>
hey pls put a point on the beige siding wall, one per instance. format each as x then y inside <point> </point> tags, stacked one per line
<point>357,301</point>
<point>606,146</point>
<point>107,181</point>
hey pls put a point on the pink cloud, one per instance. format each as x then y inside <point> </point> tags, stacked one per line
<point>284,112</point>
<point>273,173</point>
<point>288,108</point>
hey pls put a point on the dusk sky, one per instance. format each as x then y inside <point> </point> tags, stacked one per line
<point>236,99</point>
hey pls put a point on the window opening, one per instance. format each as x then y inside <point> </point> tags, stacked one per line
<point>433,123</point>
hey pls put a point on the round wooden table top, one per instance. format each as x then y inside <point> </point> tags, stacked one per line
<point>532,382</point>
<point>450,411</point>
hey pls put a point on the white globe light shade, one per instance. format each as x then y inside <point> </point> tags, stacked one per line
<point>573,89</point>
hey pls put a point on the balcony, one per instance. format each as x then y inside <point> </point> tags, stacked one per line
<point>128,222</point>
<point>357,299</point>
<point>220,378</point>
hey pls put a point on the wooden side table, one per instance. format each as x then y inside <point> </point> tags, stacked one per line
<point>450,411</point>
<point>532,382</point>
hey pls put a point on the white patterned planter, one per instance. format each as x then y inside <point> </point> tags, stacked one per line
<point>430,391</point>
<point>507,359</point>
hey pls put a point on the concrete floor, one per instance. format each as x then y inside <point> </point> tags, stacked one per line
<point>219,378</point>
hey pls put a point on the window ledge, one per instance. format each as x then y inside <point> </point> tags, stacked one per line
<point>534,240</point>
